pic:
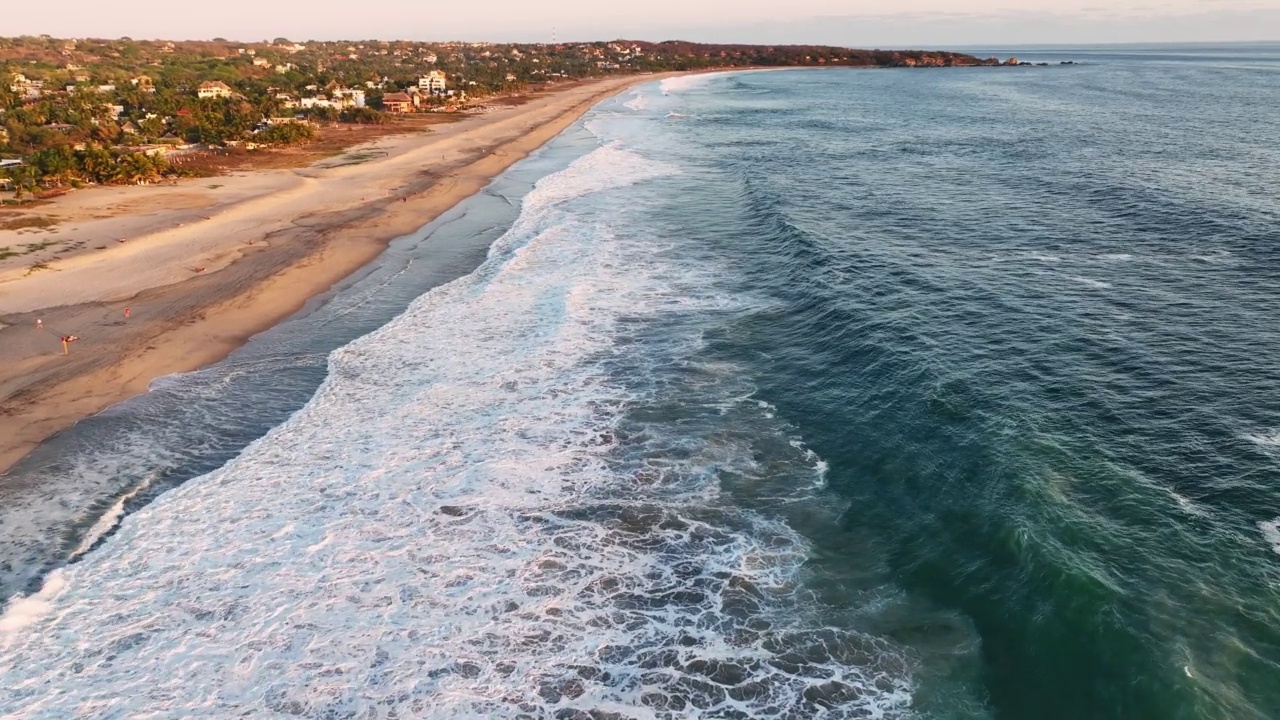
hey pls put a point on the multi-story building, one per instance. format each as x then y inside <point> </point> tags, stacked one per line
<point>348,97</point>
<point>397,102</point>
<point>433,82</point>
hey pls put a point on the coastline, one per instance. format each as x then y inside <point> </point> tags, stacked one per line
<point>261,257</point>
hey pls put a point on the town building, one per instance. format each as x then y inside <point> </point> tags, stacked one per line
<point>433,82</point>
<point>214,89</point>
<point>397,103</point>
<point>347,98</point>
<point>26,88</point>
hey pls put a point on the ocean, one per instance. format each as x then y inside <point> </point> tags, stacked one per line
<point>841,394</point>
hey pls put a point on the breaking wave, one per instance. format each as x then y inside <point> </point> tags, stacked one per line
<point>490,508</point>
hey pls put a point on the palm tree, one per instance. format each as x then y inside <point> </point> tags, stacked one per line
<point>97,164</point>
<point>24,179</point>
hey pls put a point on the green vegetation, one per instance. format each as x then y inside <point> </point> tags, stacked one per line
<point>124,111</point>
<point>286,134</point>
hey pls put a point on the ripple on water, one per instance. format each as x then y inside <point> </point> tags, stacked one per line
<point>478,537</point>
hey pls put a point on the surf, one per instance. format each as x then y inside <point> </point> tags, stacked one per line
<point>472,516</point>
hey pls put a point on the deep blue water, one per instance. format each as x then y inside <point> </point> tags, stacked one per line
<point>840,393</point>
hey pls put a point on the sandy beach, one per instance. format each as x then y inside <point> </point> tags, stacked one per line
<point>205,264</point>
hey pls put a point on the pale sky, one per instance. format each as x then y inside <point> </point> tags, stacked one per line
<point>857,23</point>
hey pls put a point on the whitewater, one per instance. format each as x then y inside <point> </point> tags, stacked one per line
<point>791,394</point>
<point>453,525</point>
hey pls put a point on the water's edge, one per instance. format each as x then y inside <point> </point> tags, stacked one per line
<point>71,492</point>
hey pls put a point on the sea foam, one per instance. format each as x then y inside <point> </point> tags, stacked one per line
<point>684,83</point>
<point>447,528</point>
<point>638,101</point>
<point>1271,533</point>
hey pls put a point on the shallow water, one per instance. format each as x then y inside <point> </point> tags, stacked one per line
<point>791,394</point>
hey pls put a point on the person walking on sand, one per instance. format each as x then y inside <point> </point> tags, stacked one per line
<point>39,324</point>
<point>65,342</point>
<point>126,313</point>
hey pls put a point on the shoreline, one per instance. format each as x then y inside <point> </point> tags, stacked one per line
<point>263,257</point>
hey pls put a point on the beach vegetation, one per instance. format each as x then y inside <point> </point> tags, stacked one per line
<point>30,221</point>
<point>289,133</point>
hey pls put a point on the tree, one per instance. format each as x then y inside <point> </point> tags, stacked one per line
<point>96,164</point>
<point>152,127</point>
<point>56,164</point>
<point>289,133</point>
<point>24,180</point>
<point>325,114</point>
<point>362,116</point>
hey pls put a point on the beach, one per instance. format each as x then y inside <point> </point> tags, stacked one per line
<point>203,265</point>
<point>840,394</point>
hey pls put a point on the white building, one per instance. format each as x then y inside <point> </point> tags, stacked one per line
<point>214,89</point>
<point>433,82</point>
<point>28,89</point>
<point>347,98</point>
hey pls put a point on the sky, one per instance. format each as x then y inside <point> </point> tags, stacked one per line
<point>853,23</point>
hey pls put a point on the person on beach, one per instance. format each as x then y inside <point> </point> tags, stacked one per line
<point>39,324</point>
<point>126,313</point>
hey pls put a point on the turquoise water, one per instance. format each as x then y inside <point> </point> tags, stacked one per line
<point>1030,321</point>
<point>780,394</point>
